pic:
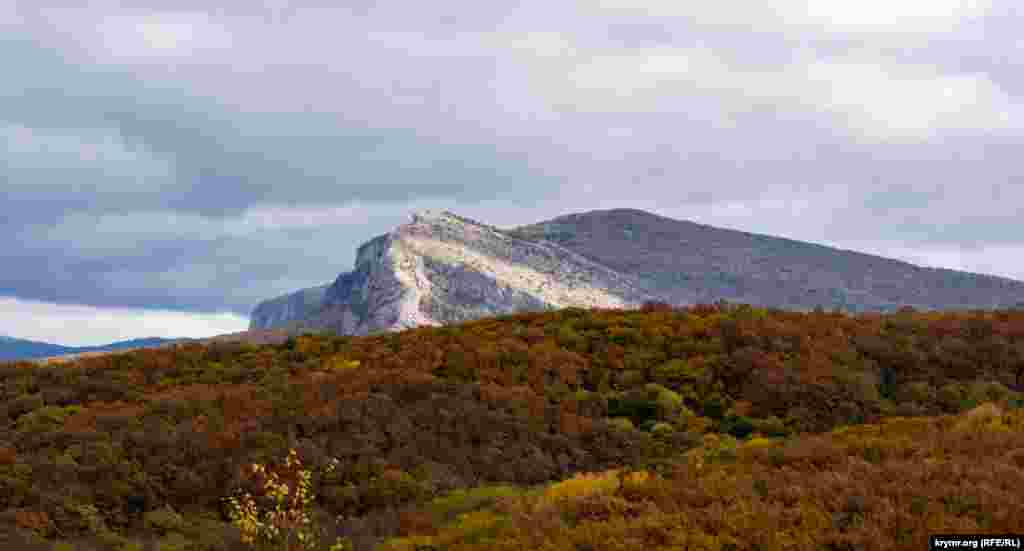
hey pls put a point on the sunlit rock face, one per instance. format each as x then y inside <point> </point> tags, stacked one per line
<point>441,268</point>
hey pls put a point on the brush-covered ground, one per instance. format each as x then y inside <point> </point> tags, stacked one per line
<point>712,427</point>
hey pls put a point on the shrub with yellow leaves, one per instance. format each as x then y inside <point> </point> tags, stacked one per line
<point>339,363</point>
<point>760,442</point>
<point>289,524</point>
<point>582,485</point>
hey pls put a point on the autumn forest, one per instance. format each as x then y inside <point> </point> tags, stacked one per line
<point>713,427</point>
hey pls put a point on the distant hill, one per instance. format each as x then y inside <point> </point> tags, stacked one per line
<point>23,349</point>
<point>685,263</point>
<point>442,268</point>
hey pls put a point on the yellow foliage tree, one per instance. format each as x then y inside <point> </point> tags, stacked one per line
<point>289,525</point>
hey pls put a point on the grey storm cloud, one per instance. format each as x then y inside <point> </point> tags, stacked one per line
<point>198,157</point>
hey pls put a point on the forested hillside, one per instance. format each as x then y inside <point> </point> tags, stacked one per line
<point>712,427</point>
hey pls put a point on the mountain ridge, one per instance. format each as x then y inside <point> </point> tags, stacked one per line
<point>849,280</point>
<point>442,268</point>
<point>13,348</point>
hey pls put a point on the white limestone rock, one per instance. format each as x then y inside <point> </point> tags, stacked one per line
<point>441,268</point>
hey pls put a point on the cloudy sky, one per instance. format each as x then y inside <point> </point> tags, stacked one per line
<point>165,166</point>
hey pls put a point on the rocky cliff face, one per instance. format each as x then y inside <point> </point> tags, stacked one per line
<point>441,268</point>
<point>289,308</point>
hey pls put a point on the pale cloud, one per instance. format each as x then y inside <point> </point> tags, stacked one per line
<point>161,35</point>
<point>878,101</point>
<point>911,102</point>
<point>75,325</point>
<point>886,15</point>
<point>874,16</point>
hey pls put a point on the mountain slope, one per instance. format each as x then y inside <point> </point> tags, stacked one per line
<point>684,261</point>
<point>18,349</point>
<point>294,306</point>
<point>22,349</point>
<point>442,268</point>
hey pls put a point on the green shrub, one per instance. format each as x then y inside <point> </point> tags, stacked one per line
<point>916,391</point>
<point>471,499</point>
<point>622,423</point>
<point>872,454</point>
<point>646,426</point>
<point>986,391</point>
<point>210,377</point>
<point>630,378</point>
<point>267,441</point>
<point>860,386</point>
<point>662,429</point>
<point>719,448</point>
<point>668,402</point>
<point>204,533</point>
<point>951,396</point>
<point>713,408</point>
<point>395,488</point>
<point>25,403</point>
<point>90,516</point>
<point>165,519</point>
<point>174,541</point>
<point>582,396</point>
<point>737,426</point>
<point>772,427</point>
<point>558,391</point>
<point>761,487</point>
<point>46,418</point>
<point>340,496</point>
<point>571,340</point>
<point>677,371</point>
<point>638,411</point>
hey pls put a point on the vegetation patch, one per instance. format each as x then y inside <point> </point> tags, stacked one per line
<point>708,427</point>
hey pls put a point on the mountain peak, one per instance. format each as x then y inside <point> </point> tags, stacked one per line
<point>444,268</point>
<point>428,215</point>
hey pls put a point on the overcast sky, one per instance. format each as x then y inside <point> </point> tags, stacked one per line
<point>165,166</point>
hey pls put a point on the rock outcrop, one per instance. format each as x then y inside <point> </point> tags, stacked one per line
<point>289,308</point>
<point>441,268</point>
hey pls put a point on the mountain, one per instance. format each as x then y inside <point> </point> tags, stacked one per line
<point>294,306</point>
<point>22,349</point>
<point>683,261</point>
<point>442,268</point>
